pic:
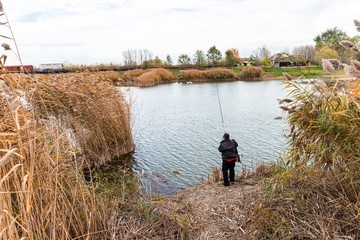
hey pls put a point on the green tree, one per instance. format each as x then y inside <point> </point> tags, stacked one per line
<point>157,62</point>
<point>168,60</point>
<point>199,59</point>
<point>325,53</point>
<point>230,58</point>
<point>214,56</point>
<point>184,59</point>
<point>331,37</point>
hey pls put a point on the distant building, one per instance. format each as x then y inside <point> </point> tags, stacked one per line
<point>246,62</point>
<point>20,68</point>
<point>286,60</point>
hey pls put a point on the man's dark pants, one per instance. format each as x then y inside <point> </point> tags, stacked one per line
<point>228,166</point>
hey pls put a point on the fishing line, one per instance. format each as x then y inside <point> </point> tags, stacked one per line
<point>221,113</point>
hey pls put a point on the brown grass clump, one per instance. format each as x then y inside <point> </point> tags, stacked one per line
<point>153,77</point>
<point>306,204</point>
<point>94,113</point>
<point>110,76</point>
<point>219,74</point>
<point>192,74</point>
<point>252,72</point>
<point>132,74</point>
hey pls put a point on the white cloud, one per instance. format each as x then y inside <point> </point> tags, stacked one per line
<point>97,31</point>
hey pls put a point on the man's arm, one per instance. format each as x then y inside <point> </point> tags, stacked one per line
<point>221,148</point>
<point>236,144</point>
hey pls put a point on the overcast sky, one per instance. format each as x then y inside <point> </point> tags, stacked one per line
<point>98,31</point>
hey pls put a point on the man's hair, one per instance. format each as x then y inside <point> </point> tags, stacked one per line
<point>226,136</point>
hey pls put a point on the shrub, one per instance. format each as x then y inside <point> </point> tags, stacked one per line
<point>153,77</point>
<point>192,74</point>
<point>219,74</point>
<point>252,72</point>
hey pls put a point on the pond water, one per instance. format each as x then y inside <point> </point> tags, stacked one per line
<point>178,127</point>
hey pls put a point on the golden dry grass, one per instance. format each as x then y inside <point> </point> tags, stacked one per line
<point>132,74</point>
<point>110,76</point>
<point>43,194</point>
<point>314,193</point>
<point>92,111</point>
<point>211,74</point>
<point>249,72</point>
<point>219,74</point>
<point>192,74</point>
<point>153,77</point>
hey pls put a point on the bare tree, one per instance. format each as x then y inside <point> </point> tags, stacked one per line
<point>307,50</point>
<point>130,57</point>
<point>261,55</point>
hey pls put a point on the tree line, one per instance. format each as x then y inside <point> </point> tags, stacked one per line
<point>326,46</point>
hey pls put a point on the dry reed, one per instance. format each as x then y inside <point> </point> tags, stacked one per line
<point>249,72</point>
<point>132,74</point>
<point>219,74</point>
<point>110,76</point>
<point>43,193</point>
<point>314,192</point>
<point>94,113</point>
<point>153,77</point>
<point>192,74</point>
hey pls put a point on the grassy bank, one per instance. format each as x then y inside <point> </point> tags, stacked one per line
<point>314,192</point>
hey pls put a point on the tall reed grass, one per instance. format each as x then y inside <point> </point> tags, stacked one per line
<point>249,72</point>
<point>92,111</point>
<point>219,74</point>
<point>192,74</point>
<point>43,194</point>
<point>110,76</point>
<point>314,192</point>
<point>153,77</point>
<point>211,74</point>
<point>132,74</point>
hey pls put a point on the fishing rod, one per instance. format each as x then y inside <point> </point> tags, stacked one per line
<point>221,113</point>
<point>240,156</point>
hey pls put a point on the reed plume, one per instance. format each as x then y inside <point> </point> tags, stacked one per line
<point>356,64</point>
<point>8,157</point>
<point>320,85</point>
<point>335,62</point>
<point>347,44</point>
<point>327,66</point>
<point>6,46</point>
<point>357,25</point>
<point>288,76</point>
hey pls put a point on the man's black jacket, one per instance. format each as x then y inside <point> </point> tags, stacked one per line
<point>228,149</point>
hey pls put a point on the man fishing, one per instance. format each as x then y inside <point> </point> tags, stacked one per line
<point>228,149</point>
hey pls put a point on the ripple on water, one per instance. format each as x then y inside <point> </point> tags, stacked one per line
<point>179,127</point>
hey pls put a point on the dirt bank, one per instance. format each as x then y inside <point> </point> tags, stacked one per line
<point>214,211</point>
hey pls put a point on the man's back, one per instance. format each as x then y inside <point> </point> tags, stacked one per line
<point>228,149</point>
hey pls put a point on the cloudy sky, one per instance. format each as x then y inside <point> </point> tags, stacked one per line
<point>98,31</point>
